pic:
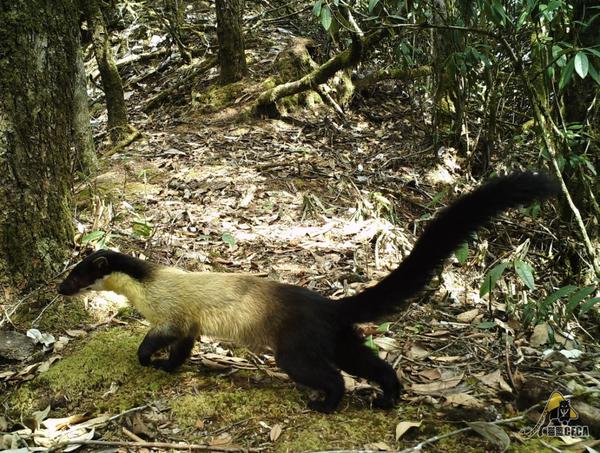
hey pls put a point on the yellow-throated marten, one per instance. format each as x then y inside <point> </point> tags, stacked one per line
<point>312,336</point>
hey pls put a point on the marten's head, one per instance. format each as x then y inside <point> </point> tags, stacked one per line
<point>91,271</point>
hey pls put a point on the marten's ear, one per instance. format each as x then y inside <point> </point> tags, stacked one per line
<point>100,263</point>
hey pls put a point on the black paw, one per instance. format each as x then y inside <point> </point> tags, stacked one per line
<point>163,364</point>
<point>321,406</point>
<point>384,402</point>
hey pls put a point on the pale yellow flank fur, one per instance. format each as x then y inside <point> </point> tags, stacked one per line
<point>220,305</point>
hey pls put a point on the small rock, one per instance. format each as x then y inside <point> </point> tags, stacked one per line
<point>15,346</point>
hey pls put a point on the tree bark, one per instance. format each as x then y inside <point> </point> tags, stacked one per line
<point>86,161</point>
<point>173,11</point>
<point>38,109</point>
<point>580,107</point>
<point>118,124</point>
<point>449,89</point>
<point>232,59</point>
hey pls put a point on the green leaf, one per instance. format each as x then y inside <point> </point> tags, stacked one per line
<point>372,5</point>
<point>101,244</point>
<point>486,325</point>
<point>522,18</point>
<point>594,74</point>
<point>498,13</point>
<point>591,167</point>
<point>437,198</point>
<point>228,239</point>
<point>566,74</point>
<point>559,54</point>
<point>371,344</point>
<point>92,237</point>
<point>578,296</point>
<point>326,17</point>
<point>525,273</point>
<point>492,277</point>
<point>462,253</point>
<point>141,228</point>
<point>587,306</point>
<point>552,298</point>
<point>594,51</point>
<point>384,327</point>
<point>581,64</point>
<point>317,8</point>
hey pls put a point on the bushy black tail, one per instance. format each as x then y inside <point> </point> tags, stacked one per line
<point>441,237</point>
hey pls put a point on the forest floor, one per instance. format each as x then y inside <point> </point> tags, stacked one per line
<point>326,202</point>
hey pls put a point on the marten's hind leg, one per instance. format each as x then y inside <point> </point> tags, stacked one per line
<point>355,358</point>
<point>311,367</point>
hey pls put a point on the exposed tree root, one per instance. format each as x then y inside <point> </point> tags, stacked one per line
<point>265,104</point>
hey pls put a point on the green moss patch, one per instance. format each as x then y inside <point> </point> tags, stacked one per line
<point>103,375</point>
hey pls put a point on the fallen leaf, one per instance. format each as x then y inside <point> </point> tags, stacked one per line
<point>139,427</point>
<point>386,343</point>
<point>45,366</point>
<point>438,333</point>
<point>437,386</point>
<point>570,440</point>
<point>221,439</point>
<point>7,374</point>
<point>447,358</point>
<point>431,374</point>
<point>61,343</point>
<point>76,333</point>
<point>417,351</point>
<point>493,433</point>
<point>468,316</point>
<point>463,399</point>
<point>539,336</point>
<point>248,196</point>
<point>275,432</point>
<point>381,446</point>
<point>65,422</point>
<point>495,380</point>
<point>402,427</point>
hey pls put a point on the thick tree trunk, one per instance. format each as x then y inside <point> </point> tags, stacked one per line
<point>581,107</point>
<point>86,161</point>
<point>40,46</point>
<point>173,11</point>
<point>111,81</point>
<point>232,59</point>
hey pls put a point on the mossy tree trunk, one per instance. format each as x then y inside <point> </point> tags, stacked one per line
<point>232,58</point>
<point>86,161</point>
<point>449,84</point>
<point>581,107</point>
<point>173,12</point>
<point>118,125</point>
<point>40,49</point>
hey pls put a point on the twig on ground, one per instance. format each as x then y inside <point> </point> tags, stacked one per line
<point>128,411</point>
<point>161,445</point>
<point>131,435</point>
